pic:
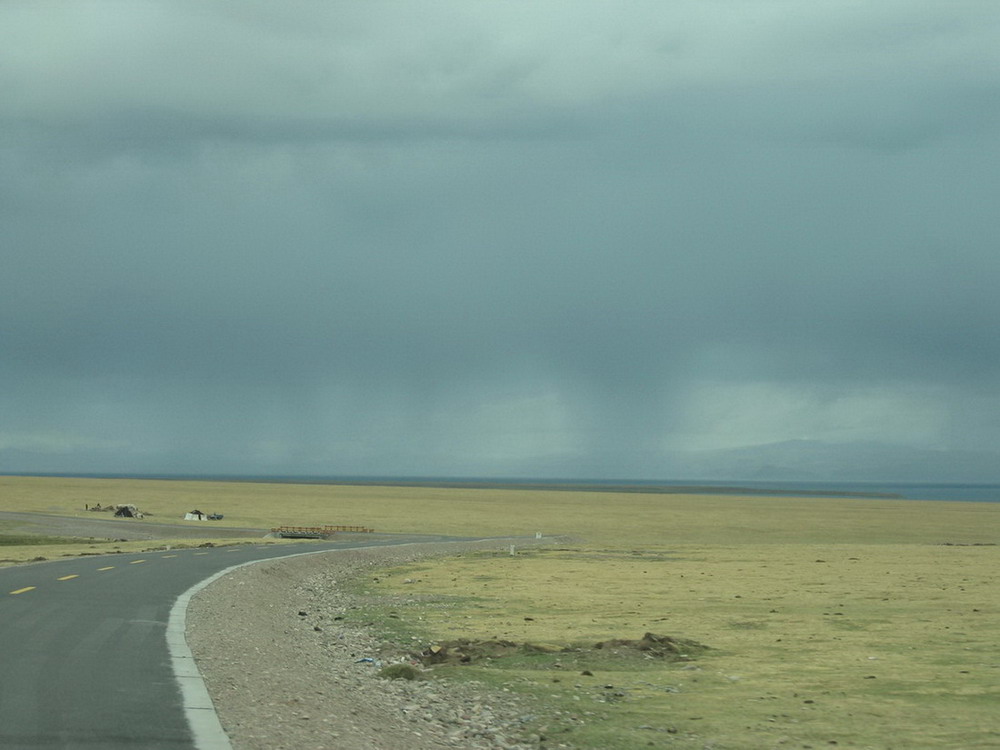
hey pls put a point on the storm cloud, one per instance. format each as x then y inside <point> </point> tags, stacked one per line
<point>504,239</point>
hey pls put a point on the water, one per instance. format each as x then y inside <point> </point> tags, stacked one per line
<point>974,493</point>
<point>978,493</point>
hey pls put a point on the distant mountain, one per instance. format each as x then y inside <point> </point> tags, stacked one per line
<point>814,460</point>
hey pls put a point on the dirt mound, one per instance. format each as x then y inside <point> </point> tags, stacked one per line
<point>466,651</point>
<point>662,646</point>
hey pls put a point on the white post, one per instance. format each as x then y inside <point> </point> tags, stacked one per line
<point>512,550</point>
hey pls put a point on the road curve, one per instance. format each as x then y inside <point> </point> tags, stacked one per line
<point>84,662</point>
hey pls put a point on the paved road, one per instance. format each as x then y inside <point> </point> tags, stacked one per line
<point>84,662</point>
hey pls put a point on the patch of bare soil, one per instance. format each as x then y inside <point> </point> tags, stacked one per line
<point>659,646</point>
<point>650,646</point>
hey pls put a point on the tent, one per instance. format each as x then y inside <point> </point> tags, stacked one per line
<point>194,515</point>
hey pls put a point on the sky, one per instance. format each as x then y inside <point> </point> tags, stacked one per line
<point>567,238</point>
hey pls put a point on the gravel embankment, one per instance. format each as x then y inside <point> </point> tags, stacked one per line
<point>283,679</point>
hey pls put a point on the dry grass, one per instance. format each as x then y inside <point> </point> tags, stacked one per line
<point>621,519</point>
<point>862,645</point>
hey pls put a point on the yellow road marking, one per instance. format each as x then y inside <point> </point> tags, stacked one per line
<point>169,555</point>
<point>109,567</point>
<point>21,591</point>
<point>136,562</point>
<point>66,578</point>
<point>201,553</point>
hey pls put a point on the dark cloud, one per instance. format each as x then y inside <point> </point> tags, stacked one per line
<point>344,241</point>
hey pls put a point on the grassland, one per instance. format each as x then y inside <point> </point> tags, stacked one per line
<point>830,622</point>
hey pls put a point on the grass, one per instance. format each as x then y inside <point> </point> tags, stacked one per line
<point>621,519</point>
<point>857,645</point>
<point>831,622</point>
<point>19,547</point>
<point>24,540</point>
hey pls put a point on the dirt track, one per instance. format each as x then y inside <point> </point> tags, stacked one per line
<point>105,526</point>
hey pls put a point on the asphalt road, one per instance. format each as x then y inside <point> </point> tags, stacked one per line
<point>84,662</point>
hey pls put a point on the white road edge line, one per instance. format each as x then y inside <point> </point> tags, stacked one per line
<point>198,707</point>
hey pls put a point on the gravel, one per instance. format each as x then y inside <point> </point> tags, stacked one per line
<point>285,672</point>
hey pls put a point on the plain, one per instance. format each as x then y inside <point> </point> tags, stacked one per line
<point>829,622</point>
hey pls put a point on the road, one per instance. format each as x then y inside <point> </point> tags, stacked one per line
<point>84,661</point>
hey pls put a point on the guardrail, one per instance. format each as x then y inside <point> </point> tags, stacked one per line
<point>316,532</point>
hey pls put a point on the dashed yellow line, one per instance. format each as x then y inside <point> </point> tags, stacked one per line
<point>201,553</point>
<point>166,556</point>
<point>77,575</point>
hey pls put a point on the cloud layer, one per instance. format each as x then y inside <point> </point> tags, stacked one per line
<point>504,239</point>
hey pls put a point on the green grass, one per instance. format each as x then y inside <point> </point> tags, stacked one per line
<point>22,547</point>
<point>21,540</point>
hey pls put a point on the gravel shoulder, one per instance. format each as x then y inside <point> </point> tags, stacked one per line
<point>283,672</point>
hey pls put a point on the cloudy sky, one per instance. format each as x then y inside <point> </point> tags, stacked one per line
<point>562,238</point>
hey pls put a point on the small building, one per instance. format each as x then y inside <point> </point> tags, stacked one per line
<point>195,515</point>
